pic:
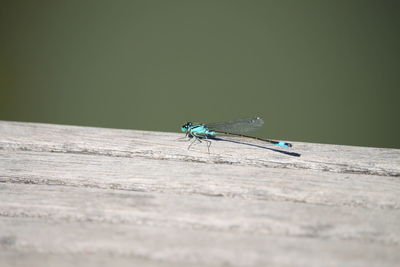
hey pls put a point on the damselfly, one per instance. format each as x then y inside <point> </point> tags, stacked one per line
<point>235,128</point>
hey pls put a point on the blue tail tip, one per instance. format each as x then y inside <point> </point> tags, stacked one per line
<point>284,144</point>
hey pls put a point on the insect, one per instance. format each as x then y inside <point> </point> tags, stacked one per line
<point>240,127</point>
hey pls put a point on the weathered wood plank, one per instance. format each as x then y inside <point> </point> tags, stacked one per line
<point>176,177</point>
<point>158,145</point>
<point>200,212</point>
<point>85,196</point>
<point>187,247</point>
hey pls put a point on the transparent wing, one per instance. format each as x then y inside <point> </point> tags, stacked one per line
<point>241,126</point>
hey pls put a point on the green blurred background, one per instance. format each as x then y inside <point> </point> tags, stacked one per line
<point>316,71</point>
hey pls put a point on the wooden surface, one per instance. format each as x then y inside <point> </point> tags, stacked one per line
<point>81,196</point>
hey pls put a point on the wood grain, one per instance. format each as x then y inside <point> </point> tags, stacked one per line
<point>87,196</point>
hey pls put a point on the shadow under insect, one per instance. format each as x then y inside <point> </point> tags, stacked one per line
<point>215,138</point>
